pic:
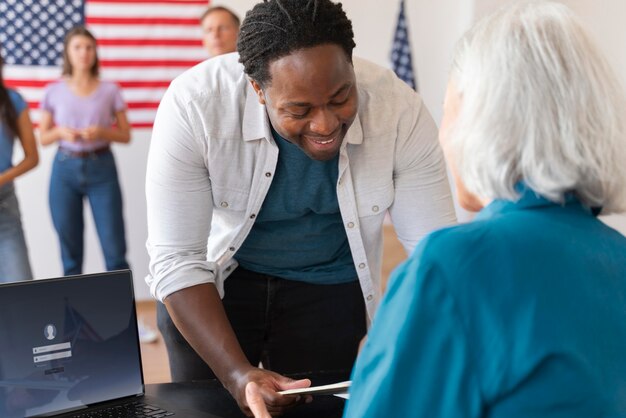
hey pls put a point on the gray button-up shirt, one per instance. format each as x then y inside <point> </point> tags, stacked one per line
<point>212,160</point>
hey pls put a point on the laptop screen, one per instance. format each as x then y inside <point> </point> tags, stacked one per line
<point>67,343</point>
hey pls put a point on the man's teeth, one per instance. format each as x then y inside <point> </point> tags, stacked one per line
<point>325,142</point>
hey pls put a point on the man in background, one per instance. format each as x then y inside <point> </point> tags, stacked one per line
<point>220,28</point>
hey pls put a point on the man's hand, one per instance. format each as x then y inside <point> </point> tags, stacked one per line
<point>255,401</point>
<point>255,392</point>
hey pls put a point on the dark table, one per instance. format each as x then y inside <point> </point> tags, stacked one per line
<point>210,396</point>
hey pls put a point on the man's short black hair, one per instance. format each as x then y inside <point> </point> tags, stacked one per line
<point>276,28</point>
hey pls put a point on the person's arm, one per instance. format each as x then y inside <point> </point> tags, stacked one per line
<point>180,208</point>
<point>417,361</point>
<point>49,133</point>
<point>118,133</point>
<point>216,343</point>
<point>423,201</point>
<point>31,155</point>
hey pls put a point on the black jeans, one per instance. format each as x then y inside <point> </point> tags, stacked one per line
<point>289,326</point>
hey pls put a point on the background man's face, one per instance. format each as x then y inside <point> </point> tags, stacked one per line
<point>312,99</point>
<point>219,33</point>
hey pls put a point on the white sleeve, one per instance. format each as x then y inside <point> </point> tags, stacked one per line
<point>423,201</point>
<point>179,201</point>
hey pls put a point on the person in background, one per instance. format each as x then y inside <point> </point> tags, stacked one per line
<point>522,312</point>
<point>220,28</point>
<point>14,123</point>
<point>84,115</point>
<point>284,159</point>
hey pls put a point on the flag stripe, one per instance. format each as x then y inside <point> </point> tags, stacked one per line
<point>184,64</point>
<point>133,52</point>
<point>118,75</point>
<point>146,32</point>
<point>146,10</point>
<point>129,105</point>
<point>139,21</point>
<point>124,84</point>
<point>149,42</point>
<point>154,2</point>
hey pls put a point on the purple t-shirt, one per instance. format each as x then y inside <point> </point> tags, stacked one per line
<point>72,111</point>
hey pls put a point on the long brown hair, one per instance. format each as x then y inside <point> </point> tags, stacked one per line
<point>78,31</point>
<point>8,114</point>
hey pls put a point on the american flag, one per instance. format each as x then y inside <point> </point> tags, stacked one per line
<point>401,60</point>
<point>142,45</point>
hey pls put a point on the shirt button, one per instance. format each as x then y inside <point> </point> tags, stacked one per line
<point>224,204</point>
<point>375,208</point>
<point>362,265</point>
<point>350,224</point>
<point>252,216</point>
<point>268,174</point>
<point>231,249</point>
<point>370,297</point>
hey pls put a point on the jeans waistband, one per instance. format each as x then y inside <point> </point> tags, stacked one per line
<point>84,154</point>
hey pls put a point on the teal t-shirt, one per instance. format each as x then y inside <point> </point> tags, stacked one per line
<point>299,233</point>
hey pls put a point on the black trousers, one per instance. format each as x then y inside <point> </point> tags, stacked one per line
<point>288,326</point>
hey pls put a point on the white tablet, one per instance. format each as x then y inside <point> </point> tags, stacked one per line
<point>335,388</point>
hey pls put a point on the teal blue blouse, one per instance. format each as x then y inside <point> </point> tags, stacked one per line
<point>521,313</point>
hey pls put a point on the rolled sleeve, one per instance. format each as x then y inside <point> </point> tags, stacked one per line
<point>179,201</point>
<point>423,201</point>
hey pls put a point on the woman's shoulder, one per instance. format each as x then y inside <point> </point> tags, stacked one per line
<point>109,85</point>
<point>17,100</point>
<point>56,85</point>
<point>14,95</point>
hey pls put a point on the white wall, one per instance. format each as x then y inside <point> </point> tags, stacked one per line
<point>605,21</point>
<point>433,27</point>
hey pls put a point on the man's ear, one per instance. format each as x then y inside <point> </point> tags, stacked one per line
<point>259,91</point>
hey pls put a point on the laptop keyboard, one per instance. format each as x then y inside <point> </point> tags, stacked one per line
<point>130,410</point>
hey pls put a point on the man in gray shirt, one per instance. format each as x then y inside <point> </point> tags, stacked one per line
<point>274,168</point>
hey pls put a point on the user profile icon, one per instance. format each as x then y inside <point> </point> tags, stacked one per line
<point>50,332</point>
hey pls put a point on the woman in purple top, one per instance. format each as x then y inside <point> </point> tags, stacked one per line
<point>14,123</point>
<point>84,114</point>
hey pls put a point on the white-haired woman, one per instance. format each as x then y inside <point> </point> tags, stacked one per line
<point>521,313</point>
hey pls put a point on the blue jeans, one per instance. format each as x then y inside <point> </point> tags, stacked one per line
<point>93,177</point>
<point>14,263</point>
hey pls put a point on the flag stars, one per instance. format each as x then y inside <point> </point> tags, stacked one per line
<point>37,28</point>
<point>401,50</point>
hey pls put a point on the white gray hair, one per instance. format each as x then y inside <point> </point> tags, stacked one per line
<point>539,104</point>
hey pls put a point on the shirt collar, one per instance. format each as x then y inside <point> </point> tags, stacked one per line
<point>355,132</point>
<point>529,199</point>
<point>255,123</point>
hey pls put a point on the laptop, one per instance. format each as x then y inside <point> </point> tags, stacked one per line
<point>69,348</point>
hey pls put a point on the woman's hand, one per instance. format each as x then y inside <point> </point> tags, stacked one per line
<point>67,134</point>
<point>91,133</point>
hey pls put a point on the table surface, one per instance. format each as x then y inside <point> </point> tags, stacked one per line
<point>210,396</point>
